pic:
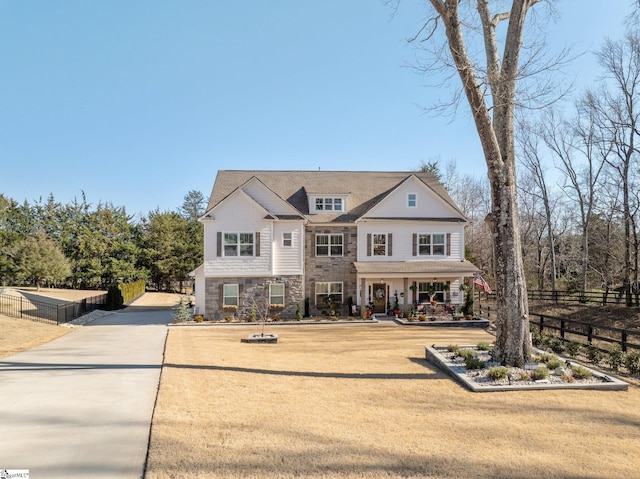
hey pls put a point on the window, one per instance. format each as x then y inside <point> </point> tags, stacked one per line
<point>323,290</point>
<point>379,245</point>
<point>412,200</point>
<point>287,240</point>
<point>431,291</point>
<point>238,244</point>
<point>431,244</point>
<point>329,245</point>
<point>276,294</point>
<point>329,204</point>
<point>229,295</point>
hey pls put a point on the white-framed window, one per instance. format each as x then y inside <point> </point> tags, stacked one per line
<point>276,294</point>
<point>239,244</point>
<point>431,292</point>
<point>379,244</point>
<point>412,200</point>
<point>324,289</point>
<point>329,245</point>
<point>230,295</point>
<point>431,244</point>
<point>287,240</point>
<point>329,204</point>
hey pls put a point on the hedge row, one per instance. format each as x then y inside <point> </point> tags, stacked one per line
<point>121,293</point>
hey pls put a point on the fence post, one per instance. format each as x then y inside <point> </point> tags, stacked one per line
<point>624,341</point>
<point>590,333</point>
<point>541,327</point>
<point>562,328</point>
<point>489,312</point>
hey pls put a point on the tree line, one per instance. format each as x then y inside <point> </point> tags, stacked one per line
<point>80,245</point>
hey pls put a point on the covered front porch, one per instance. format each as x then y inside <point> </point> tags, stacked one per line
<point>384,287</point>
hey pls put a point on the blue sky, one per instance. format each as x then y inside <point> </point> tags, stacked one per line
<point>136,102</point>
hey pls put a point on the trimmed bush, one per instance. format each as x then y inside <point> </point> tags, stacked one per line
<point>483,346</point>
<point>594,354</point>
<point>616,357</point>
<point>466,353</point>
<point>553,363</point>
<point>121,293</point>
<point>632,362</point>
<point>473,363</point>
<point>573,348</point>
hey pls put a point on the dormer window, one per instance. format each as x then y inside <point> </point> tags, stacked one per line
<point>329,204</point>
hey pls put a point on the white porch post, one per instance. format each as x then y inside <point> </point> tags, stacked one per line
<point>405,287</point>
<point>363,296</point>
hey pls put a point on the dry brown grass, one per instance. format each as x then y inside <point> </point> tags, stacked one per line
<point>21,334</point>
<point>360,401</point>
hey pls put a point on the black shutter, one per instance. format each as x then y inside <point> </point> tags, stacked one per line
<point>390,250</point>
<point>448,246</point>
<point>219,243</point>
<point>369,244</point>
<point>415,244</point>
<point>257,243</point>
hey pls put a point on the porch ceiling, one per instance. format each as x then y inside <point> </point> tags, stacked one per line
<point>460,268</point>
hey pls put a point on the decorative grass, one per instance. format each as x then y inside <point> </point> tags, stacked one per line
<point>360,401</point>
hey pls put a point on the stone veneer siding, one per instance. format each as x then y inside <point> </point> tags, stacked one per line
<point>332,268</point>
<point>254,288</point>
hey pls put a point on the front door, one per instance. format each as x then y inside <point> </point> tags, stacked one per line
<point>379,298</point>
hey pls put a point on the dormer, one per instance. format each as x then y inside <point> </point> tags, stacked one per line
<point>327,203</point>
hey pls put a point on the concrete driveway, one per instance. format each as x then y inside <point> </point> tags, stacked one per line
<point>81,406</point>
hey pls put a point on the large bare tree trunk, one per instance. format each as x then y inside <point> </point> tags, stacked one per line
<point>496,135</point>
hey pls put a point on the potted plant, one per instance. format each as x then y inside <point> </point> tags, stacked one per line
<point>396,306</point>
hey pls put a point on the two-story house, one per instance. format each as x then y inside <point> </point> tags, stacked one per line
<point>297,238</point>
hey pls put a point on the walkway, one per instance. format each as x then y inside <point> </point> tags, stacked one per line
<point>81,406</point>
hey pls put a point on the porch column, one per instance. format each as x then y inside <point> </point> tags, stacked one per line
<point>405,287</point>
<point>363,296</point>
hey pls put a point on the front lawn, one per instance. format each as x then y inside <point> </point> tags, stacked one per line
<point>360,401</point>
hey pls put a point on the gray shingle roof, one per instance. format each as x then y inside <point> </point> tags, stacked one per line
<point>365,188</point>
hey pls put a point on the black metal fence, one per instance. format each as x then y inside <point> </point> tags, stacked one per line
<point>46,312</point>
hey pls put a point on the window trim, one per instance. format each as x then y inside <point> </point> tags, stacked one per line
<point>410,200</point>
<point>431,244</point>
<point>225,295</point>
<point>286,239</point>
<point>328,204</point>
<point>238,244</point>
<point>272,295</point>
<point>330,245</point>
<point>373,244</point>
<point>329,292</point>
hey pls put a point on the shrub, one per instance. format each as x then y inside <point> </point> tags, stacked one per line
<point>616,357</point>
<point>182,314</point>
<point>452,348</point>
<point>573,348</point>
<point>229,319</point>
<point>298,312</point>
<point>536,337</point>
<point>540,373</point>
<point>553,363</point>
<point>498,372</point>
<point>557,345</point>
<point>473,363</point>
<point>466,353</point>
<point>483,346</point>
<point>632,362</point>
<point>525,376</point>
<point>580,372</point>
<point>252,315</point>
<point>198,318</point>
<point>568,378</point>
<point>276,317</point>
<point>594,354</point>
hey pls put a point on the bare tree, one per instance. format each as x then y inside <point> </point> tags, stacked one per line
<point>618,109</point>
<point>490,90</point>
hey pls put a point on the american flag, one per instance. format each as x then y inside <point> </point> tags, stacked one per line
<point>483,284</point>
